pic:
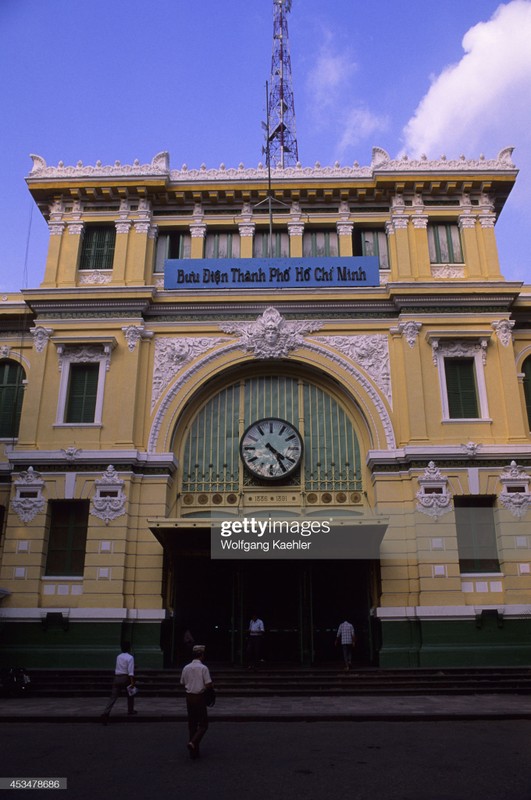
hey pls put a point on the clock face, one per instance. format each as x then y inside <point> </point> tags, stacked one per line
<point>271,448</point>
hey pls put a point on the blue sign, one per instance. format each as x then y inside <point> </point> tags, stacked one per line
<point>271,273</point>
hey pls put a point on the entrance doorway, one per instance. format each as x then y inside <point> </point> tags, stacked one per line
<point>301,603</point>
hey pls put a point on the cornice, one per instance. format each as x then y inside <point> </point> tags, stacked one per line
<point>381,163</point>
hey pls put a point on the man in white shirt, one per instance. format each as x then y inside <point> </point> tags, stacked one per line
<point>254,643</point>
<point>195,678</point>
<point>124,677</point>
<point>347,638</point>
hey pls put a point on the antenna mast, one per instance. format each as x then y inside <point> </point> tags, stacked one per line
<point>282,138</point>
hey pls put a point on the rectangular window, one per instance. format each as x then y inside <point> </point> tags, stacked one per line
<point>67,537</point>
<point>317,244</point>
<point>97,250</point>
<point>444,244</point>
<point>279,245</point>
<point>461,388</point>
<point>11,395</point>
<point>174,244</point>
<point>82,393</point>
<point>222,245</point>
<point>371,243</point>
<point>476,534</point>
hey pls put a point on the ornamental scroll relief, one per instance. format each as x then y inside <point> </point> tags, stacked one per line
<point>371,353</point>
<point>173,353</point>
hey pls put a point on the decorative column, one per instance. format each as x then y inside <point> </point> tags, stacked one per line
<point>246,227</point>
<point>56,226</point>
<point>508,378</point>
<point>295,230</point>
<point>421,265</point>
<point>469,241</point>
<point>410,395</point>
<point>344,227</point>
<point>71,247</point>
<point>197,232</point>
<point>489,248</point>
<point>123,226</point>
<point>399,222</point>
<point>138,270</point>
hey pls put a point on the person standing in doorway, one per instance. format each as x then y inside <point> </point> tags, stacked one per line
<point>346,637</point>
<point>195,678</point>
<point>124,678</point>
<point>254,643</point>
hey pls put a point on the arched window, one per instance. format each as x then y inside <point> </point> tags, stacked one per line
<point>526,369</point>
<point>211,458</point>
<point>11,393</point>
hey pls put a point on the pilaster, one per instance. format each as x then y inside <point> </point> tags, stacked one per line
<point>197,232</point>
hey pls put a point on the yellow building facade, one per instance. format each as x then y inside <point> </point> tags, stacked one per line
<point>364,310</point>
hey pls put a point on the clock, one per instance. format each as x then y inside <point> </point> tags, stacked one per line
<point>271,449</point>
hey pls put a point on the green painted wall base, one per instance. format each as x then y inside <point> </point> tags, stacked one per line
<point>487,642</point>
<point>83,645</point>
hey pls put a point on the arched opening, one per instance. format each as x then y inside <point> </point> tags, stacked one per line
<point>302,601</point>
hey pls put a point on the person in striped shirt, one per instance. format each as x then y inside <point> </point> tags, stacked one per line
<point>346,637</point>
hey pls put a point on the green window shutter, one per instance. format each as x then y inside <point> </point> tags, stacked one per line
<point>97,250</point>
<point>67,537</point>
<point>461,388</point>
<point>11,396</point>
<point>82,393</point>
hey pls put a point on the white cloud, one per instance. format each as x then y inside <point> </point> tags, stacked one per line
<point>358,124</point>
<point>331,74</point>
<point>481,105</point>
<point>331,86</point>
<point>483,99</point>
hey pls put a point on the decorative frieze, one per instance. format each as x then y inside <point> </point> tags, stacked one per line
<point>81,354</point>
<point>515,495</point>
<point>381,162</point>
<point>109,501</point>
<point>444,271</point>
<point>271,335</point>
<point>97,277</point>
<point>458,349</point>
<point>433,497</point>
<point>28,500</point>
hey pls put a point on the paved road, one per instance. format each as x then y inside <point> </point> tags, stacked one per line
<point>476,760</point>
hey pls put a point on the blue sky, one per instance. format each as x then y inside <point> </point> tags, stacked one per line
<point>125,79</point>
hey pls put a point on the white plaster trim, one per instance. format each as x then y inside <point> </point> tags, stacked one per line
<point>84,614</point>
<point>434,452</point>
<point>81,355</point>
<point>456,349</point>
<point>450,612</point>
<point>164,460</point>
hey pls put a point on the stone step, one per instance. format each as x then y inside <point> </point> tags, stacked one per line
<point>237,682</point>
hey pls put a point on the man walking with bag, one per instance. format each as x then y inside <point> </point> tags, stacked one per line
<point>196,679</point>
<point>124,678</point>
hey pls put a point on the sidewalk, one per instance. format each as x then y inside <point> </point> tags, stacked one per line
<point>298,709</point>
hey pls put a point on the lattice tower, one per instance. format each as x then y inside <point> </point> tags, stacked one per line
<point>282,144</point>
